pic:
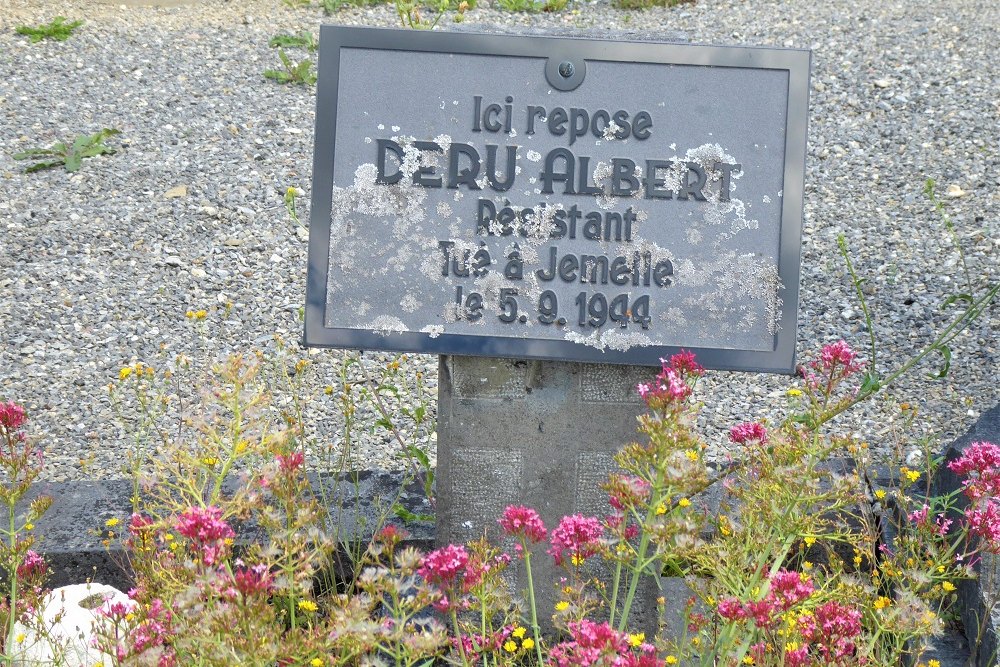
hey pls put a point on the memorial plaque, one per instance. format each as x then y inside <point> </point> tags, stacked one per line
<point>556,198</point>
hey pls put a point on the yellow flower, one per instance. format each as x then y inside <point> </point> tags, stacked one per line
<point>112,522</point>
<point>948,586</point>
<point>20,638</point>
<point>880,494</point>
<point>857,560</point>
<point>661,509</point>
<point>124,373</point>
<point>209,461</point>
<point>791,646</point>
<point>562,605</point>
<point>307,605</point>
<point>683,502</point>
<point>933,663</point>
<point>671,660</point>
<point>528,644</point>
<point>910,475</point>
<point>941,568</point>
<point>637,639</point>
<point>577,560</point>
<point>241,446</point>
<point>748,660</point>
<point>518,632</point>
<point>509,646</point>
<point>168,537</point>
<point>29,526</point>
<point>806,565</point>
<point>791,392</point>
<point>316,662</point>
<point>809,540</point>
<point>882,602</point>
<point>691,454</point>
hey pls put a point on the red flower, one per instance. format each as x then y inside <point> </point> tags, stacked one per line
<point>748,432</point>
<point>443,566</point>
<point>577,536</point>
<point>521,521</point>
<point>12,416</point>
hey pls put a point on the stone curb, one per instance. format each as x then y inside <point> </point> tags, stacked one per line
<point>71,535</point>
<point>975,594</point>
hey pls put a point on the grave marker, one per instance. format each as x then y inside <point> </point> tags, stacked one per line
<point>552,206</point>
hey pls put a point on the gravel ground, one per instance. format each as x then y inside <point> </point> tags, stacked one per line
<point>98,268</point>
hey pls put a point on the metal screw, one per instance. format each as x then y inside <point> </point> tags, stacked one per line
<point>566,69</point>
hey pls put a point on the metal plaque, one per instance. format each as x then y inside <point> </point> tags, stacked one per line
<point>557,198</point>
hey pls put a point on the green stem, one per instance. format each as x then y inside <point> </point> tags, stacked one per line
<point>842,244</point>
<point>531,602</point>
<point>949,332</point>
<point>12,575</point>
<point>614,592</point>
<point>634,583</point>
<point>458,636</point>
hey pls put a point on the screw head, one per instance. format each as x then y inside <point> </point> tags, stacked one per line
<point>566,69</point>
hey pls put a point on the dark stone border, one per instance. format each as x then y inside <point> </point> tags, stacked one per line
<point>71,535</point>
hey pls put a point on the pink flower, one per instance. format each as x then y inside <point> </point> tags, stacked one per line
<point>732,609</point>
<point>32,566</point>
<point>981,463</point>
<point>978,457</point>
<point>521,521</point>
<point>919,517</point>
<point>253,580</point>
<point>443,566</point>
<point>984,521</point>
<point>206,530</point>
<point>390,535</point>
<point>684,362</point>
<point>833,629</point>
<point>577,536</point>
<point>670,386</point>
<point>138,523</point>
<point>798,657</point>
<point>12,416</point>
<point>839,353</point>
<point>748,432</point>
<point>290,463</point>
<point>790,588</point>
<point>626,491</point>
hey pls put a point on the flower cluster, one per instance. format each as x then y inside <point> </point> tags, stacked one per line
<point>786,590</point>
<point>598,644</point>
<point>443,566</point>
<point>824,635</point>
<point>627,491</point>
<point>747,432</point>
<point>12,416</point>
<point>523,522</point>
<point>33,567</point>
<point>206,530</point>
<point>980,464</point>
<point>837,361</point>
<point>675,382</point>
<point>576,536</point>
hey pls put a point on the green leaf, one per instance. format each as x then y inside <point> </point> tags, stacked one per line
<point>277,75</point>
<point>957,297</point>
<point>73,161</point>
<point>384,422</point>
<point>34,152</point>
<point>419,454</point>
<point>870,383</point>
<point>39,166</point>
<point>946,353</point>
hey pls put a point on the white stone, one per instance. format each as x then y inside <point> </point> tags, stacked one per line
<point>70,614</point>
